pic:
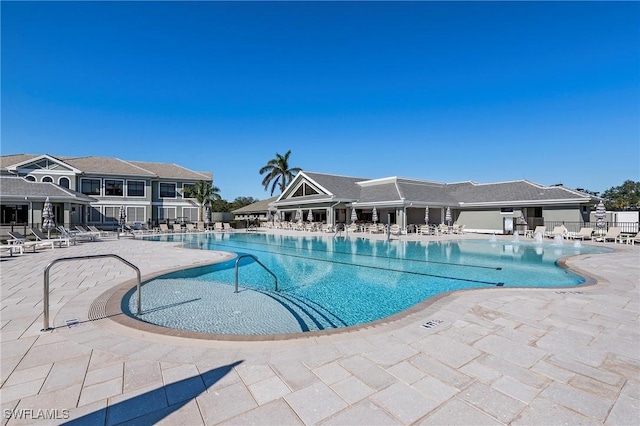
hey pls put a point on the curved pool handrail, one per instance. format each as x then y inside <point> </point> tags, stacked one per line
<point>259,263</point>
<point>93,256</point>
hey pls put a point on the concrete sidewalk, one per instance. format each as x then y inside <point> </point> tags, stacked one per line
<point>491,356</point>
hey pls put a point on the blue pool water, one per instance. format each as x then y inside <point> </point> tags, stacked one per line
<point>329,283</point>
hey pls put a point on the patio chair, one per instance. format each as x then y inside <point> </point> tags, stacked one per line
<point>395,229</point>
<point>66,239</point>
<point>227,227</point>
<point>164,228</point>
<point>11,248</point>
<point>373,229</point>
<point>19,239</point>
<point>218,227</point>
<point>633,239</point>
<point>443,228</point>
<point>177,228</point>
<point>612,235</point>
<point>459,229</point>
<point>583,234</point>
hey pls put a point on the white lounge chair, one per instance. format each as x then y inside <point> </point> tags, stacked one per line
<point>395,229</point>
<point>19,239</point>
<point>541,229</point>
<point>612,235</point>
<point>558,230</point>
<point>583,234</point>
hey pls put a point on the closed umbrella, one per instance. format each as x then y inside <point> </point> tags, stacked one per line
<point>310,216</point>
<point>374,215</point>
<point>354,215</point>
<point>426,215</point>
<point>269,215</point>
<point>601,213</point>
<point>48,222</point>
<point>447,216</point>
<point>299,215</point>
<point>207,215</point>
<point>123,217</point>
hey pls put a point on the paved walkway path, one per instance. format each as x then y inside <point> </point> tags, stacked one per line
<point>495,356</point>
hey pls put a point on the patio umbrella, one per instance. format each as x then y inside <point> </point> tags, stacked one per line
<point>447,216</point>
<point>310,216</point>
<point>269,215</point>
<point>299,215</point>
<point>47,215</point>
<point>601,213</point>
<point>123,217</point>
<point>426,215</point>
<point>374,215</point>
<point>354,215</point>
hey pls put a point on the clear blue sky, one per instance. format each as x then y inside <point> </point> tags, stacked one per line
<point>443,91</point>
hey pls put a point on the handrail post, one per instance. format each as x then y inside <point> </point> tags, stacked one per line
<point>45,299</point>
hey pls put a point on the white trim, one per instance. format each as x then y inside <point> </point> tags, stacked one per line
<point>104,183</point>
<point>60,180</point>
<point>47,176</point>
<point>15,167</point>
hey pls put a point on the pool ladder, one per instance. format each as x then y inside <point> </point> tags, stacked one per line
<point>259,263</point>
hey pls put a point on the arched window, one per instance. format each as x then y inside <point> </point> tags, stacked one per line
<point>30,178</point>
<point>64,182</point>
<point>47,179</point>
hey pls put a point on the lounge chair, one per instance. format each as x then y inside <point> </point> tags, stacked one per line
<point>373,229</point>
<point>631,239</point>
<point>541,229</point>
<point>218,227</point>
<point>164,228</point>
<point>83,231</point>
<point>583,234</point>
<point>177,228</point>
<point>12,248</point>
<point>66,239</point>
<point>612,235</point>
<point>458,229</point>
<point>19,239</point>
<point>227,227</point>
<point>395,229</point>
<point>98,231</point>
<point>424,230</point>
<point>558,230</point>
<point>443,229</point>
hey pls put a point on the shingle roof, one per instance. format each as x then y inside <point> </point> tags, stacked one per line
<point>17,187</point>
<point>172,171</point>
<point>339,186</point>
<point>520,191</point>
<point>257,207</point>
<point>116,166</point>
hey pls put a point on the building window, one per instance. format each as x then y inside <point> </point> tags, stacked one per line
<point>64,182</point>
<point>47,179</point>
<point>90,186</point>
<point>136,214</point>
<point>111,214</point>
<point>165,213</point>
<point>506,210</point>
<point>167,190</point>
<point>191,213</point>
<point>12,213</point>
<point>30,178</point>
<point>187,190</point>
<point>113,188</point>
<point>303,190</point>
<point>93,215</point>
<point>135,188</point>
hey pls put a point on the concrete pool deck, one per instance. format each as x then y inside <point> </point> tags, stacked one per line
<point>491,356</point>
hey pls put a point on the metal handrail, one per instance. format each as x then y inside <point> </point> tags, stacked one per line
<point>46,282</point>
<point>259,263</point>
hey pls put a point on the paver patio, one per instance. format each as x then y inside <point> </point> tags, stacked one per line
<point>499,356</point>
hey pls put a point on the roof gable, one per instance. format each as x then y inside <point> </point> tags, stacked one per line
<point>44,163</point>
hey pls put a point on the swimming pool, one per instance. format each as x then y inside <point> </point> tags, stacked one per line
<point>327,283</point>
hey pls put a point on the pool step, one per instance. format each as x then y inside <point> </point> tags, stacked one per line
<point>310,316</point>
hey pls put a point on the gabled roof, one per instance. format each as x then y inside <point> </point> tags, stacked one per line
<point>17,188</point>
<point>404,190</point>
<point>257,207</point>
<point>23,161</point>
<point>333,187</point>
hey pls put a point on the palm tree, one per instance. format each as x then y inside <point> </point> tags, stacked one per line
<point>204,193</point>
<point>278,172</point>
